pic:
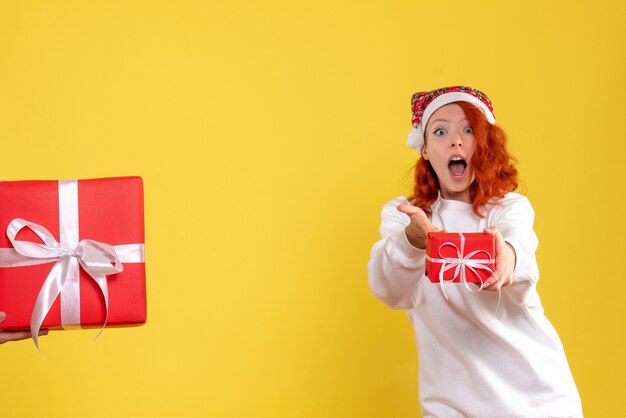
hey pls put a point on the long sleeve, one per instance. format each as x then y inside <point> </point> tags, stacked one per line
<point>515,220</point>
<point>395,266</point>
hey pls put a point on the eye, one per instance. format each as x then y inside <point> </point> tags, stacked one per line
<point>469,130</point>
<point>439,132</point>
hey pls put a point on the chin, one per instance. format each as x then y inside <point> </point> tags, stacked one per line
<point>457,187</point>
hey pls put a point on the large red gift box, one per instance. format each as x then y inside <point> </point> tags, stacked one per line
<point>108,211</point>
<point>467,257</point>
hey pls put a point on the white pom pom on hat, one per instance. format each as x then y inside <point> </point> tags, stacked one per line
<point>415,139</point>
<point>424,104</point>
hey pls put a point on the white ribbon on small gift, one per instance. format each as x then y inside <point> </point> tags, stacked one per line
<point>96,258</point>
<point>460,264</point>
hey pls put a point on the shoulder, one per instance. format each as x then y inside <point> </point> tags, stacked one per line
<point>511,204</point>
<point>510,199</point>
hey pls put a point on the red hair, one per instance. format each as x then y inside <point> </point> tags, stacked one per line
<point>493,166</point>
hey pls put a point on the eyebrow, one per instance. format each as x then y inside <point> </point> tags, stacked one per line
<point>445,120</point>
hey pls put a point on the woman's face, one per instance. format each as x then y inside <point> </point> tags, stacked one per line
<point>449,148</point>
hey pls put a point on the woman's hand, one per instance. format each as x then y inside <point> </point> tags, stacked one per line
<point>505,263</point>
<point>6,336</point>
<point>417,231</point>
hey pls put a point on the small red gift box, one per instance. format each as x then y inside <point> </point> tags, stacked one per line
<point>467,257</point>
<point>72,254</point>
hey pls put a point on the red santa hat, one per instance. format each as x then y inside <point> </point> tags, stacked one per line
<point>424,104</point>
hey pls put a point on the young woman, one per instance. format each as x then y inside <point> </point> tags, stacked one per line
<point>490,352</point>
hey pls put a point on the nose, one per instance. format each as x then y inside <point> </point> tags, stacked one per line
<point>456,141</point>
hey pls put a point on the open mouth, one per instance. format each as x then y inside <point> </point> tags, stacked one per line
<point>457,166</point>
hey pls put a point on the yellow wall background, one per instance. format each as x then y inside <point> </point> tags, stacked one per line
<point>269,135</point>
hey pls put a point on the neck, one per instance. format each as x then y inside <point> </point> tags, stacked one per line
<point>462,196</point>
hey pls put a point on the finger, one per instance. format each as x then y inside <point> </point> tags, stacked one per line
<point>419,217</point>
<point>498,281</point>
<point>500,277</point>
<point>499,273</point>
<point>494,287</point>
<point>7,336</point>
<point>3,316</point>
<point>490,230</point>
<point>491,281</point>
<point>411,210</point>
<point>498,285</point>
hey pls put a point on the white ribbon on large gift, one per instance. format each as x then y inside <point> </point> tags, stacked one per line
<point>96,258</point>
<point>460,264</point>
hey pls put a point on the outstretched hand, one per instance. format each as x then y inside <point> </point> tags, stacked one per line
<point>6,336</point>
<point>417,231</point>
<point>505,262</point>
